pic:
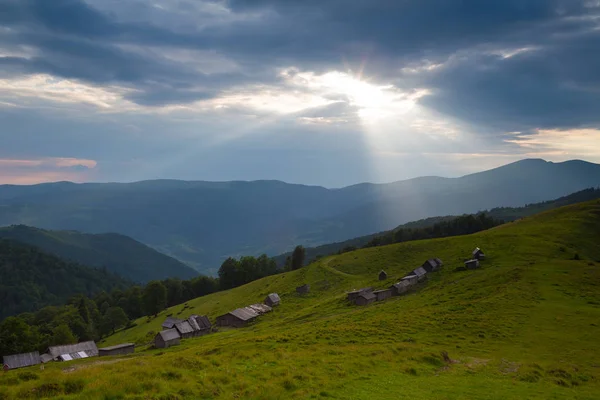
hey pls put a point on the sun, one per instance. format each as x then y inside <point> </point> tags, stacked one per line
<point>372,101</point>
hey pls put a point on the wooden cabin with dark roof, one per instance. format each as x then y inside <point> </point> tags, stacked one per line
<point>170,322</point>
<point>355,293</point>
<point>472,264</point>
<point>478,254</point>
<point>421,273</point>
<point>400,288</point>
<point>21,360</point>
<point>185,329</point>
<point>73,351</point>
<point>237,318</point>
<point>383,294</point>
<point>167,338</point>
<point>272,300</point>
<point>383,275</point>
<point>365,298</point>
<point>411,279</point>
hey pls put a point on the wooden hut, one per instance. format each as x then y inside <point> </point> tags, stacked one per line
<point>185,329</point>
<point>365,298</point>
<point>430,265</point>
<point>478,254</point>
<point>73,351</point>
<point>21,360</point>
<point>118,350</point>
<point>237,318</point>
<point>355,293</point>
<point>410,279</point>
<point>383,294</point>
<point>272,300</point>
<point>304,289</point>
<point>170,322</point>
<point>382,275</point>
<point>204,324</point>
<point>439,262</point>
<point>399,288</point>
<point>421,273</point>
<point>472,264</point>
<point>167,338</point>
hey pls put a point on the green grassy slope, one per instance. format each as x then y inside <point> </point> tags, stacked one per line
<point>118,253</point>
<point>523,326</point>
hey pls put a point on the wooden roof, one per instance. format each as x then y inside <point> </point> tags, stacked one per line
<point>274,297</point>
<point>184,327</point>
<point>117,347</point>
<point>22,360</point>
<point>89,348</point>
<point>170,322</point>
<point>169,334</point>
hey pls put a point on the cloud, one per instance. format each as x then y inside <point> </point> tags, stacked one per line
<point>29,171</point>
<point>174,88</point>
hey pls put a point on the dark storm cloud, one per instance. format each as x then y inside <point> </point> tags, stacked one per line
<point>554,85</point>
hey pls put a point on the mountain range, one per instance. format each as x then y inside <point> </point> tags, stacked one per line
<point>202,223</point>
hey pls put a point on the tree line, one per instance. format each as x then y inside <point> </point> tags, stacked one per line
<point>92,318</point>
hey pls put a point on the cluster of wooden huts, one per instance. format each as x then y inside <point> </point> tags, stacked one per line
<point>175,329</point>
<point>473,262</point>
<point>365,296</point>
<point>242,316</point>
<point>67,352</point>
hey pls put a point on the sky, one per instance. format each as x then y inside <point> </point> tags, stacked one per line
<point>328,92</point>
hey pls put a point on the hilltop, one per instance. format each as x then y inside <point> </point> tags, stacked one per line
<point>523,326</point>
<point>419,228</point>
<point>119,254</point>
<point>31,279</point>
<point>203,223</point>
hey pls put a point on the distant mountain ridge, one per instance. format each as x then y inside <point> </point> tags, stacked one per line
<point>202,223</point>
<point>117,253</point>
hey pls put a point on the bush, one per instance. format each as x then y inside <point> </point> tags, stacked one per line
<point>73,386</point>
<point>28,376</point>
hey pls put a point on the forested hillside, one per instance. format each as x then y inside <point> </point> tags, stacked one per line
<point>117,253</point>
<point>31,279</point>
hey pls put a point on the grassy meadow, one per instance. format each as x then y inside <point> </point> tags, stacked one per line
<point>524,326</point>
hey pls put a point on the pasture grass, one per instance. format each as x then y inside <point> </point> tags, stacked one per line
<point>524,326</point>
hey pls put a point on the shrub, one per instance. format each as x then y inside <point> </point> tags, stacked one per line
<point>73,386</point>
<point>28,376</point>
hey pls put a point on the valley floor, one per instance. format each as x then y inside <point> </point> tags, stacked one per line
<point>524,326</point>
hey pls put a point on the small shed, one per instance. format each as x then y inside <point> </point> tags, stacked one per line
<point>118,350</point>
<point>472,264</point>
<point>382,275</point>
<point>439,262</point>
<point>185,329</point>
<point>430,265</point>
<point>304,289</point>
<point>355,293</point>
<point>272,300</point>
<point>383,294</point>
<point>21,360</point>
<point>399,288</point>
<point>365,298</point>
<point>167,338</point>
<point>204,324</point>
<point>421,273</point>
<point>170,322</point>
<point>478,254</point>
<point>237,318</point>
<point>73,351</point>
<point>410,279</point>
